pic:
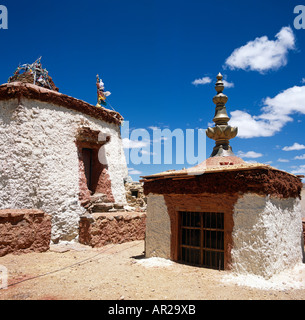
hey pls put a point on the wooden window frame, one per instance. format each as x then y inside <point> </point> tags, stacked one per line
<point>203,248</point>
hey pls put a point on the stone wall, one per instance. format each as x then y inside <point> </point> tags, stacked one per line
<point>99,229</point>
<point>135,196</point>
<point>24,230</point>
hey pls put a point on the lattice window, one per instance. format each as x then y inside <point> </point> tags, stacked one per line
<point>202,239</point>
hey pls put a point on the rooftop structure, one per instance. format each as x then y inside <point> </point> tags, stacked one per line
<point>33,73</point>
<point>222,158</point>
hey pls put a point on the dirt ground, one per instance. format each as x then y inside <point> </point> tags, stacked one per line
<point>120,272</point>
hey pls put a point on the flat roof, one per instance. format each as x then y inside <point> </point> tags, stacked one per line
<point>17,90</point>
<point>203,168</point>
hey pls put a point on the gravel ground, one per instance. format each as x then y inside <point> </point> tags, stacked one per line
<point>120,272</point>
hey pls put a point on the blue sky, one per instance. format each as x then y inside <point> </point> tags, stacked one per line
<point>150,54</point>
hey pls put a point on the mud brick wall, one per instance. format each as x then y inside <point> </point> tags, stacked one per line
<point>100,229</point>
<point>260,181</point>
<point>24,231</point>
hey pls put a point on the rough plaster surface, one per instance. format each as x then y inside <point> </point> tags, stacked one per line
<point>158,228</point>
<point>39,163</point>
<point>267,235</point>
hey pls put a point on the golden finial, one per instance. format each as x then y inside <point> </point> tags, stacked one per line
<point>222,132</point>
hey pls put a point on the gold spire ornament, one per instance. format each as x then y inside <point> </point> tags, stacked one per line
<point>222,132</point>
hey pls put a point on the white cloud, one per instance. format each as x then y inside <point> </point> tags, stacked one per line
<point>285,103</point>
<point>249,154</point>
<point>300,170</point>
<point>204,80</point>
<point>274,115</point>
<point>130,144</point>
<point>295,146</point>
<point>153,128</point>
<point>133,171</point>
<point>147,152</point>
<point>303,80</point>
<point>207,80</point>
<point>251,126</point>
<point>228,84</point>
<point>263,54</point>
<point>282,160</point>
<point>302,157</point>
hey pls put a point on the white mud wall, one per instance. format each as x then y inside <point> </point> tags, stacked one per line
<point>267,235</point>
<point>158,228</point>
<point>39,166</point>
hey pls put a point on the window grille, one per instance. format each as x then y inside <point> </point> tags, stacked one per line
<point>202,239</point>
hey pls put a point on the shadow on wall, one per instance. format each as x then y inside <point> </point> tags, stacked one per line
<point>303,201</point>
<point>303,239</point>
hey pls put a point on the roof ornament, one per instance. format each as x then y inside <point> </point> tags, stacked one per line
<point>101,93</point>
<point>33,73</point>
<point>222,132</point>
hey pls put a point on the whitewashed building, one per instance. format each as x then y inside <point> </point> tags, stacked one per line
<point>57,151</point>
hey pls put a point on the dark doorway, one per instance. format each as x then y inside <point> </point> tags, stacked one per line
<point>202,239</point>
<point>88,164</point>
<point>93,168</point>
<point>135,193</point>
